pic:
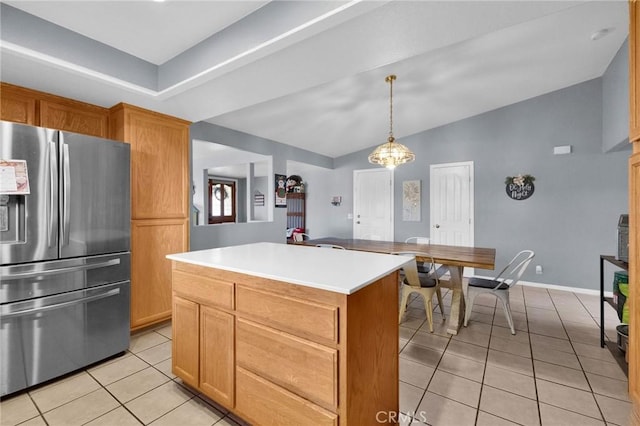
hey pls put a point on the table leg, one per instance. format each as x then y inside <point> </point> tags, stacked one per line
<point>456,316</point>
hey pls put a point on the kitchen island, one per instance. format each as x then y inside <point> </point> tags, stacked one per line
<point>289,335</point>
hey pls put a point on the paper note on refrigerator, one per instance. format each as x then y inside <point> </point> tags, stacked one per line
<point>14,179</point>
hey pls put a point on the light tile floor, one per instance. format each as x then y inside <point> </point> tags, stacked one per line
<point>552,372</point>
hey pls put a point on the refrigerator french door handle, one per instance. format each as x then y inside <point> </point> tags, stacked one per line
<point>66,183</point>
<point>53,193</point>
<point>7,275</point>
<point>38,309</point>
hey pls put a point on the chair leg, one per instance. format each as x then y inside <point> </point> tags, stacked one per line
<point>428,306</point>
<point>507,311</point>
<point>468,305</point>
<point>439,295</point>
<point>403,303</point>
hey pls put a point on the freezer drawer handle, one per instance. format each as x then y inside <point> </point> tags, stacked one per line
<point>110,293</point>
<point>31,274</point>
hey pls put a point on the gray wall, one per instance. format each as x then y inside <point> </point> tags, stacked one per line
<point>318,186</point>
<point>569,221</point>
<point>615,102</point>
<point>210,236</point>
<point>572,216</point>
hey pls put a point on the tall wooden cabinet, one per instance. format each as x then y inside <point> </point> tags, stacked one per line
<point>159,204</point>
<point>634,210</point>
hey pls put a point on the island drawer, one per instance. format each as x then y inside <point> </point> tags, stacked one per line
<point>302,317</point>
<point>205,290</point>
<point>298,365</point>
<point>261,402</point>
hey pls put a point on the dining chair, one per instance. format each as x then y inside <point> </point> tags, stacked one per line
<point>422,268</point>
<point>418,240</point>
<point>499,286</point>
<point>333,246</point>
<point>425,284</point>
<point>299,236</point>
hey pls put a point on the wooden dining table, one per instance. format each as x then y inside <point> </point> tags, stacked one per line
<point>454,257</point>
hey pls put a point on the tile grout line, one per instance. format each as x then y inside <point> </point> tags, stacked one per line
<point>580,363</point>
<point>533,364</point>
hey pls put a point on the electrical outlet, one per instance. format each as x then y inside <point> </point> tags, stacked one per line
<point>538,269</point>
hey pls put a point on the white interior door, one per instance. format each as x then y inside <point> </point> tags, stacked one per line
<point>451,204</point>
<point>373,204</point>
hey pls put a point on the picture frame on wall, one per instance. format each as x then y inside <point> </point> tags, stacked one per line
<point>411,200</point>
<point>281,190</point>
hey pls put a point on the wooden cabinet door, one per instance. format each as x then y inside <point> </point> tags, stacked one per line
<point>217,338</point>
<point>159,165</point>
<point>151,241</point>
<point>634,290</point>
<point>185,340</point>
<point>17,105</point>
<point>634,209</point>
<point>72,117</point>
<point>634,71</point>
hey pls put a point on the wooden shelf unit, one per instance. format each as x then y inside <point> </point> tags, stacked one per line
<point>296,210</point>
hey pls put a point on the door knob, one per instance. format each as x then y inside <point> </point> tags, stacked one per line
<point>358,222</point>
<point>437,226</point>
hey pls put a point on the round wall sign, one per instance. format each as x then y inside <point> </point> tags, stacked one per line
<point>520,192</point>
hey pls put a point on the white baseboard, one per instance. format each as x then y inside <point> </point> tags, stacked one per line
<point>562,288</point>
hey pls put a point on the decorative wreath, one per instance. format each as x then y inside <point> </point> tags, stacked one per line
<point>519,180</point>
<point>216,193</point>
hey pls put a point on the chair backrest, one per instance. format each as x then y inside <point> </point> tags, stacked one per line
<point>512,273</point>
<point>299,236</point>
<point>418,240</point>
<point>411,269</point>
<point>333,246</point>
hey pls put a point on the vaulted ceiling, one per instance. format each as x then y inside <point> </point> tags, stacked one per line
<point>309,73</point>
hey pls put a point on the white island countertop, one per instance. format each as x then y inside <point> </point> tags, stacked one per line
<point>340,271</point>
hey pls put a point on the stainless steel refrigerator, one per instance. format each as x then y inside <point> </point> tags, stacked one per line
<point>64,246</point>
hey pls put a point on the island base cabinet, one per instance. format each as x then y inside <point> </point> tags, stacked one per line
<point>217,355</point>
<point>280,354</point>
<point>203,349</point>
<point>184,329</point>
<point>262,403</point>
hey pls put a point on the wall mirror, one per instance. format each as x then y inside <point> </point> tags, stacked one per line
<point>230,185</point>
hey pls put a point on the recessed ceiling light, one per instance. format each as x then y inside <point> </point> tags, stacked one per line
<point>601,33</point>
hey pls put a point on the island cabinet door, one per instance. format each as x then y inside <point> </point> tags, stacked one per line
<point>217,359</point>
<point>185,343</point>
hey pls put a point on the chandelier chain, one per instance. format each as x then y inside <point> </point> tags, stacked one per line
<point>391,106</point>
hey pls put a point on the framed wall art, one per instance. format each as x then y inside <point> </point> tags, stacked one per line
<point>281,191</point>
<point>411,200</point>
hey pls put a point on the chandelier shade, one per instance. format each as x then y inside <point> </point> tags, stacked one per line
<point>391,153</point>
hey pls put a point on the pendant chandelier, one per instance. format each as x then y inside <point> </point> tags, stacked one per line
<point>391,153</point>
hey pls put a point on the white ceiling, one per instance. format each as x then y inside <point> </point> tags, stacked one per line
<point>312,75</point>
